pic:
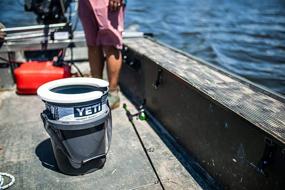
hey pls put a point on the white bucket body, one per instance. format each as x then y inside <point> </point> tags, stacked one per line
<point>75,106</point>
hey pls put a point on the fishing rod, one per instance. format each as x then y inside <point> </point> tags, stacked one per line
<point>141,116</point>
<point>33,28</point>
<point>60,31</point>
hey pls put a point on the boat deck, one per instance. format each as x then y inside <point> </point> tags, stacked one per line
<point>26,153</point>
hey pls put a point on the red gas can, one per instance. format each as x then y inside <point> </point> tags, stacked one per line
<point>31,75</point>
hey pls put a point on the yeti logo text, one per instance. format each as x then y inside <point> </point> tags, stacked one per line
<point>87,110</point>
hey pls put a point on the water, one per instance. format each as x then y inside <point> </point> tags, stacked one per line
<point>246,37</point>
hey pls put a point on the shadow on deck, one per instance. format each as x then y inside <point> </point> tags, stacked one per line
<point>45,154</point>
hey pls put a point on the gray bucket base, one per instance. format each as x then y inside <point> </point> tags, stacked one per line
<point>80,151</point>
<point>65,167</point>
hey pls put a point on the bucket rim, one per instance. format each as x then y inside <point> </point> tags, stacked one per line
<point>45,93</point>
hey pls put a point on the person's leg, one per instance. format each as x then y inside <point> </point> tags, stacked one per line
<point>96,61</point>
<point>90,26</point>
<point>109,36</point>
<point>114,63</point>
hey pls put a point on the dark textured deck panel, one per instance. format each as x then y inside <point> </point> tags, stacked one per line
<point>249,102</point>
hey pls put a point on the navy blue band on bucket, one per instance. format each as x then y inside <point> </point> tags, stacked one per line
<point>75,125</point>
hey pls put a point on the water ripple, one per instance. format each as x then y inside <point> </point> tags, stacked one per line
<point>246,37</point>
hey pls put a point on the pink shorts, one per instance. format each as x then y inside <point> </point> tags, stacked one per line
<point>101,25</point>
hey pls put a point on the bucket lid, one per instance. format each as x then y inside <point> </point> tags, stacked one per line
<point>45,91</point>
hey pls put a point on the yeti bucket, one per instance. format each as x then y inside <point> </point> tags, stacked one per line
<point>78,119</point>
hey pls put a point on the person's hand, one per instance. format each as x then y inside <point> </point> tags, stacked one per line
<point>115,5</point>
<point>2,33</point>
